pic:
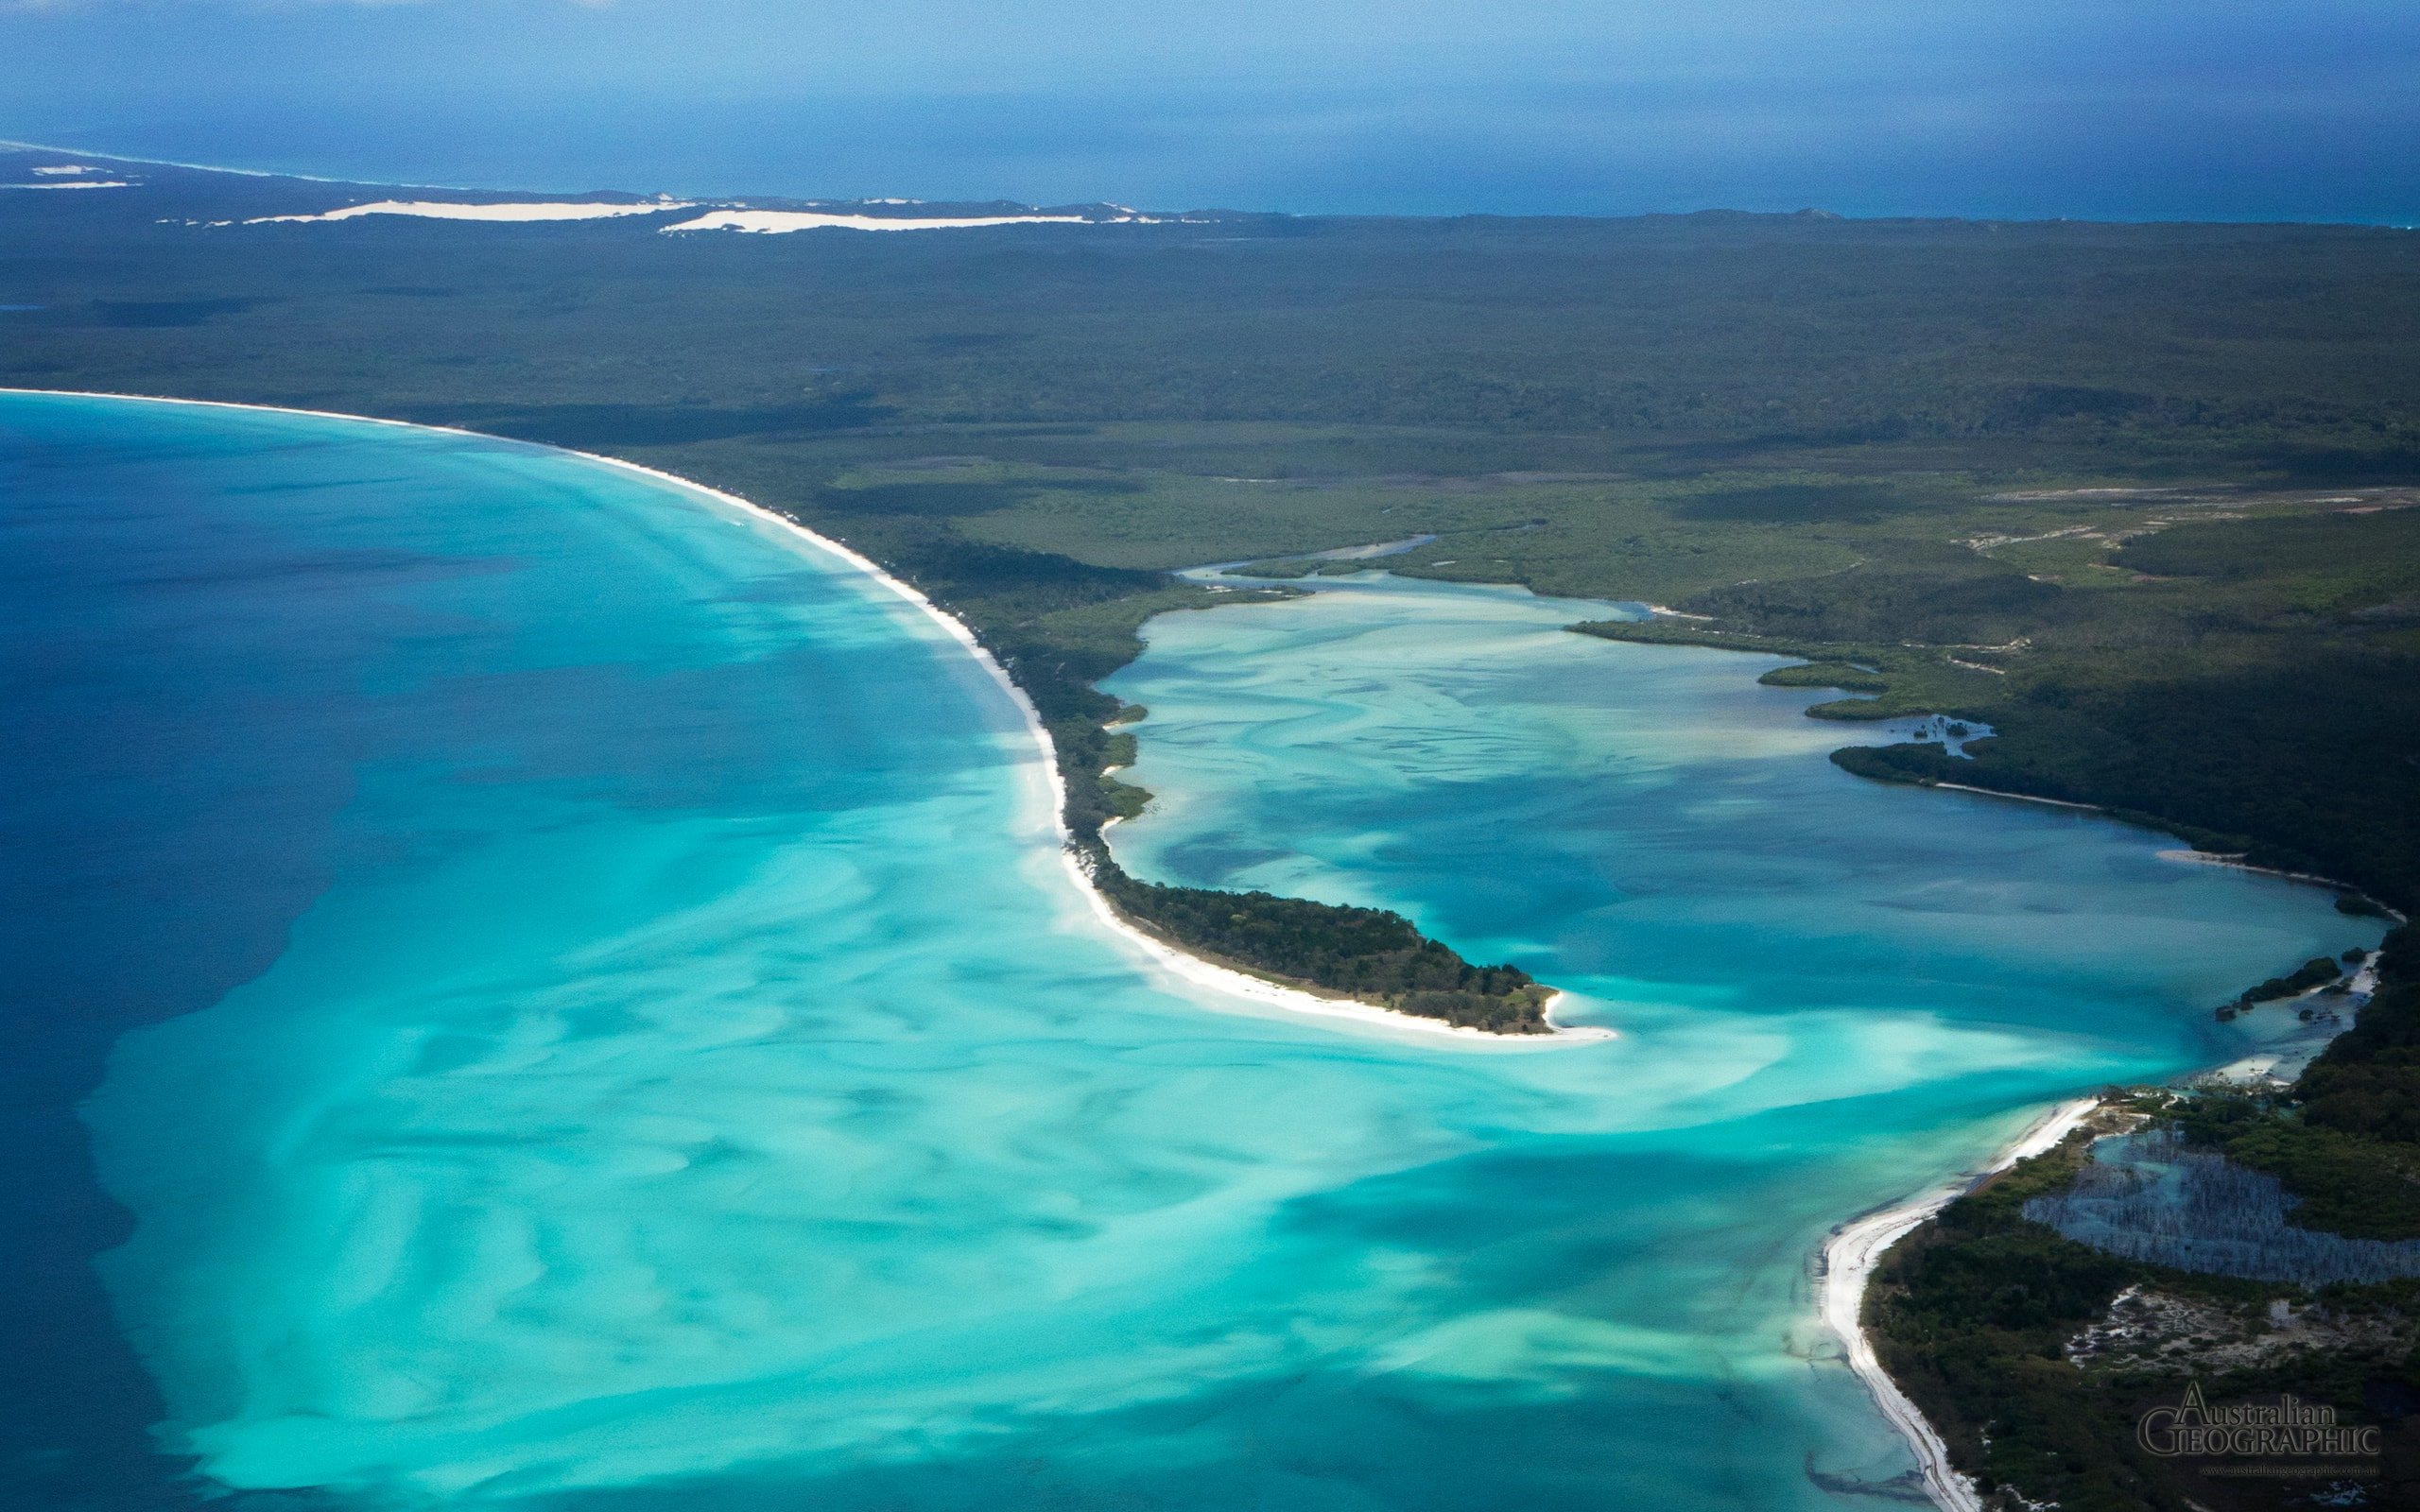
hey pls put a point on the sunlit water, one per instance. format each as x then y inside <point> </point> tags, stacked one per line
<point>594,1020</point>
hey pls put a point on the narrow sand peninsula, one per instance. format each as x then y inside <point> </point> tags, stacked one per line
<point>1846,1265</point>
<point>1187,968</point>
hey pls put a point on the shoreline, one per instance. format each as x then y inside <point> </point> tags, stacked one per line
<point>1845,1267</point>
<point>1180,964</point>
<point>2021,797</point>
<point>2184,855</point>
<point>2189,856</point>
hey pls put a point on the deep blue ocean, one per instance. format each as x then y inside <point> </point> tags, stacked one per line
<point>531,986</point>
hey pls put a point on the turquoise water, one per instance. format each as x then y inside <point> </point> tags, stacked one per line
<point>594,1020</point>
<point>1650,827</point>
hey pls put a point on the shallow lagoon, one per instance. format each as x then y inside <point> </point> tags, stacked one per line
<point>623,1039</point>
<point>1651,827</point>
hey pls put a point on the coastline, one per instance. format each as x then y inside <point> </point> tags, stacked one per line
<point>1169,959</point>
<point>2209,858</point>
<point>1845,1266</point>
<point>2018,797</point>
<point>2183,855</point>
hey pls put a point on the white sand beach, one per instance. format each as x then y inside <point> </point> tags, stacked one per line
<point>1846,1265</point>
<point>2209,858</point>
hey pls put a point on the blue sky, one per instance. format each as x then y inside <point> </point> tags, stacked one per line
<point>2130,108</point>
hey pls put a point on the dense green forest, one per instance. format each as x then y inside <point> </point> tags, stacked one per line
<point>2136,496</point>
<point>1362,953</point>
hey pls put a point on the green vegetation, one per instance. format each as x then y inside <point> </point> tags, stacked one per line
<point>2316,971</point>
<point>2345,1139</point>
<point>1886,681</point>
<point>2351,1185</point>
<point>2367,1083</point>
<point>2256,688</point>
<point>1977,1314</point>
<point>1970,1316</point>
<point>1360,953</point>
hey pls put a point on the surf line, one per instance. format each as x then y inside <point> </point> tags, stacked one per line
<point>1180,964</point>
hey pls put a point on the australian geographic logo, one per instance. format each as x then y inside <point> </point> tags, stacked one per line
<point>2290,1427</point>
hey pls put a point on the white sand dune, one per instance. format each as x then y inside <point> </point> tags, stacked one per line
<point>765,222</point>
<point>54,168</point>
<point>773,222</point>
<point>72,183</point>
<point>446,209</point>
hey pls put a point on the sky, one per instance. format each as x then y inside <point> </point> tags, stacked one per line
<point>2089,109</point>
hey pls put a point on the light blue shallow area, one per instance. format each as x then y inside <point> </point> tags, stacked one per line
<point>687,1078</point>
<point>1651,827</point>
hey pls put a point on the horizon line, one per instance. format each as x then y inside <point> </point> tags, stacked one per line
<point>1808,212</point>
